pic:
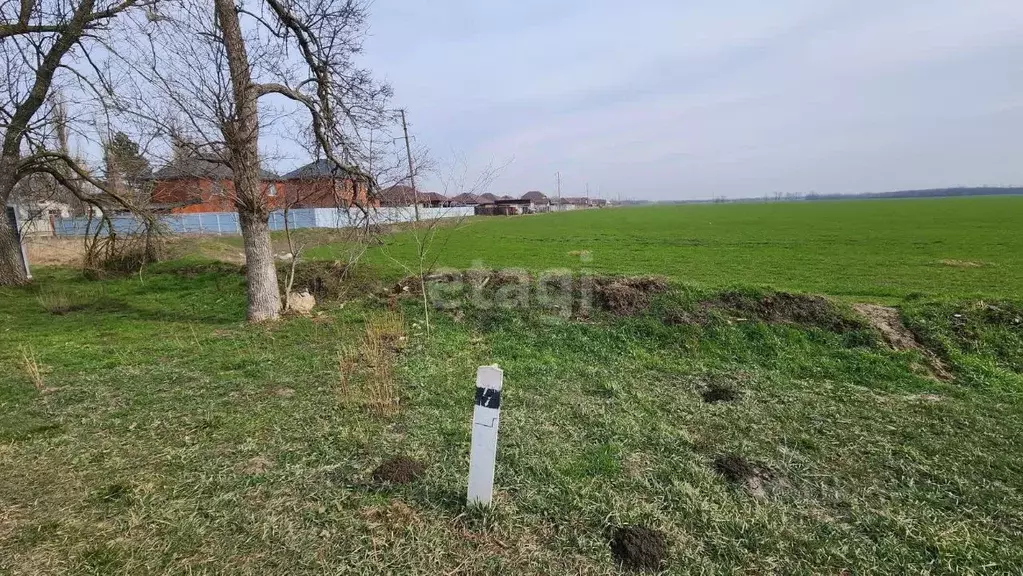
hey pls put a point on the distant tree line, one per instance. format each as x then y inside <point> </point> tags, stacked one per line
<point>929,193</point>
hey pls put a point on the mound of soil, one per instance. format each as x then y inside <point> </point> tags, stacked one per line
<point>752,476</point>
<point>620,296</point>
<point>399,470</point>
<point>782,307</point>
<point>639,548</point>
<point>627,296</point>
<point>888,322</point>
<point>717,393</point>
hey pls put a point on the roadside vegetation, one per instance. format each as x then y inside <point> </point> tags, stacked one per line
<point>726,426</point>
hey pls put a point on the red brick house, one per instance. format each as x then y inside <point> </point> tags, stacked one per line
<point>191,185</point>
<point>323,184</point>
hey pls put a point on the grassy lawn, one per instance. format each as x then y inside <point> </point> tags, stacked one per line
<point>145,429</point>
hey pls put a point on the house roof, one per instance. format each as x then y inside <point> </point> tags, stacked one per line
<point>319,169</point>
<point>195,168</point>
<point>535,196</point>
<point>399,195</point>
<point>487,198</point>
<point>396,195</point>
<point>465,198</point>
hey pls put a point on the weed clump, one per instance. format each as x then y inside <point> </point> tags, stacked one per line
<point>639,548</point>
<point>59,302</point>
<point>399,470</point>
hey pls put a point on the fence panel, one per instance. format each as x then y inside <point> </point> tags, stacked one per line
<point>214,223</point>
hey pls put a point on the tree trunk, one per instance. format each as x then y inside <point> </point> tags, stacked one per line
<point>242,135</point>
<point>260,271</point>
<point>12,271</point>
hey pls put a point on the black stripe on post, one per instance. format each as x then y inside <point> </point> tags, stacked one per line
<point>488,398</point>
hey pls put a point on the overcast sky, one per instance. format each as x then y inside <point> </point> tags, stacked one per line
<point>663,99</point>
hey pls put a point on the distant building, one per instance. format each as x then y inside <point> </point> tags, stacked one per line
<point>324,184</point>
<point>191,185</point>
<point>513,206</point>
<point>36,217</point>
<point>487,198</point>
<point>400,196</point>
<point>505,207</point>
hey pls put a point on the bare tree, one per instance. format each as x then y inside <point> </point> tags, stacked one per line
<point>44,43</point>
<point>454,181</point>
<point>222,77</point>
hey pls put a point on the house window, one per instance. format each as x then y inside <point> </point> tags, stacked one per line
<point>272,191</point>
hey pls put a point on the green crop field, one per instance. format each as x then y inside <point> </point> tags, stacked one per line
<point>885,248</point>
<point>146,429</point>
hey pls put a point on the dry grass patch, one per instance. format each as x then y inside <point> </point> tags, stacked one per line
<point>30,367</point>
<point>60,302</point>
<point>961,263</point>
<point>54,251</point>
<point>366,368</point>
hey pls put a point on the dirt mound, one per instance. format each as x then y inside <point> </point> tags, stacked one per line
<point>399,470</point>
<point>718,393</point>
<point>888,322</point>
<point>782,307</point>
<point>639,548</point>
<point>752,476</point>
<point>569,293</point>
<point>627,296</point>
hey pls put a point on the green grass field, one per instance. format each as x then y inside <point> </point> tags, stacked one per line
<point>873,249</point>
<point>146,429</point>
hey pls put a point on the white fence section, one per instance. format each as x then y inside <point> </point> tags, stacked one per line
<point>334,218</point>
<point>219,223</point>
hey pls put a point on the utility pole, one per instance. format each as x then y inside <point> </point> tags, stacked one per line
<point>411,170</point>
<point>560,205</point>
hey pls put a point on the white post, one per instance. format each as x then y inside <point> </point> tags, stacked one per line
<point>219,231</point>
<point>485,418</point>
